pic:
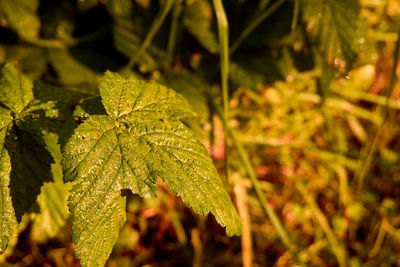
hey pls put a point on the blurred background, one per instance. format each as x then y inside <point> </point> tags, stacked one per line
<point>313,143</point>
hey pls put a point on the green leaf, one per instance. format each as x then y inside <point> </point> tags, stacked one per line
<point>21,16</point>
<point>140,140</point>
<point>31,60</point>
<point>8,221</point>
<point>144,100</point>
<point>191,87</point>
<point>254,72</point>
<point>15,89</point>
<point>333,25</point>
<point>198,19</point>
<point>26,152</point>
<point>72,72</point>
<point>54,101</point>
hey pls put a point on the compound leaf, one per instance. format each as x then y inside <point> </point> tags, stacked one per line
<point>141,139</point>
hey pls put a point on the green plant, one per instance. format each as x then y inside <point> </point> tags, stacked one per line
<point>297,102</point>
<point>127,139</point>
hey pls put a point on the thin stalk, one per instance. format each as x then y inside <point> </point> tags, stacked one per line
<point>49,43</point>
<point>296,12</point>
<point>242,205</point>
<point>379,242</point>
<point>155,27</point>
<point>269,212</point>
<point>92,36</point>
<point>173,32</point>
<point>374,143</point>
<point>223,36</point>
<point>336,247</point>
<point>263,4</point>
<point>254,24</point>
<point>282,233</point>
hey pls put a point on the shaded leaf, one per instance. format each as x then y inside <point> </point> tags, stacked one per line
<point>254,72</point>
<point>31,60</point>
<point>31,165</point>
<point>129,32</point>
<point>21,16</point>
<point>90,106</point>
<point>72,72</point>
<point>198,19</point>
<point>191,87</point>
<point>127,42</point>
<point>333,25</point>
<point>54,195</point>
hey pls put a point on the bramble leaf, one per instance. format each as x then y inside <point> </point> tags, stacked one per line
<point>24,160</point>
<point>140,140</point>
<point>8,221</point>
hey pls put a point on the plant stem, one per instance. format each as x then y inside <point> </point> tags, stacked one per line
<point>269,212</point>
<point>337,248</point>
<point>157,23</point>
<point>48,43</point>
<point>242,206</point>
<point>263,4</point>
<point>254,24</point>
<point>173,32</point>
<point>296,13</point>
<point>223,35</point>
<point>374,143</point>
<point>379,241</point>
<point>286,240</point>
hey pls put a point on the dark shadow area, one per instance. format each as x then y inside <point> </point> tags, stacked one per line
<point>31,166</point>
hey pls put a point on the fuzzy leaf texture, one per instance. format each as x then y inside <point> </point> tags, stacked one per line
<point>140,139</point>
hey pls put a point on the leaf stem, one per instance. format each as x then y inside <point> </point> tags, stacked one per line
<point>336,247</point>
<point>269,212</point>
<point>48,43</point>
<point>223,35</point>
<point>296,12</point>
<point>283,234</point>
<point>173,33</point>
<point>370,150</point>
